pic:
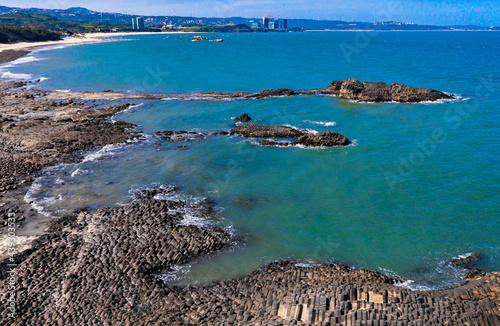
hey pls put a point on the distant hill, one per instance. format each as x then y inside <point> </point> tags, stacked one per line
<point>82,14</point>
<point>20,19</point>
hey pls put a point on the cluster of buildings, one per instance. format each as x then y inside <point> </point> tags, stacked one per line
<point>266,23</point>
<point>137,23</point>
<point>271,23</point>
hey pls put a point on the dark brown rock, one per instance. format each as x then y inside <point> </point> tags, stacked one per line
<point>267,93</point>
<point>468,261</point>
<point>353,89</point>
<point>243,118</point>
<point>262,131</point>
<point>324,139</point>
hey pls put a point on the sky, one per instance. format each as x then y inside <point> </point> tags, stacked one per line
<point>432,12</point>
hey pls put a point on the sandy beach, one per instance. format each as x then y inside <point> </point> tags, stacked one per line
<point>86,38</point>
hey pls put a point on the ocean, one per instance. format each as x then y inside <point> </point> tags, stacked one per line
<point>418,186</point>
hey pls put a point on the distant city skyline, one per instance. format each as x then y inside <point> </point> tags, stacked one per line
<point>431,12</point>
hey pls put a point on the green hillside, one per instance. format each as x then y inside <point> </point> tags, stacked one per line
<point>14,34</point>
<point>51,23</point>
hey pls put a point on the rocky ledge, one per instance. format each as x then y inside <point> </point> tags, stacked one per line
<point>324,139</point>
<point>353,89</point>
<point>37,133</point>
<point>263,131</point>
<point>349,89</point>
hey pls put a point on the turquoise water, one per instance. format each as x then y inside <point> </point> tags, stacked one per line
<point>419,186</point>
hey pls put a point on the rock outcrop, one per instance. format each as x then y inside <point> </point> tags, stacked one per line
<point>353,89</point>
<point>469,264</point>
<point>324,139</point>
<point>273,93</point>
<point>243,118</point>
<point>265,131</point>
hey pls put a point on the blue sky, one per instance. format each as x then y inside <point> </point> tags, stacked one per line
<point>459,12</point>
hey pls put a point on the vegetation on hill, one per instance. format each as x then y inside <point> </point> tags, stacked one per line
<point>19,19</point>
<point>27,34</point>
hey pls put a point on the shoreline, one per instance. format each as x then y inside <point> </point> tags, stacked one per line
<point>80,39</point>
<point>280,292</point>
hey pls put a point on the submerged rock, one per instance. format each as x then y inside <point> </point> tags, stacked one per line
<point>324,139</point>
<point>270,143</point>
<point>261,131</point>
<point>353,89</point>
<point>243,118</point>
<point>467,261</point>
<point>181,135</point>
<point>273,93</point>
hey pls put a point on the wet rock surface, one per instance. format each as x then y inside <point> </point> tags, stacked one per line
<point>260,131</point>
<point>273,93</point>
<point>353,89</point>
<point>37,133</point>
<point>11,55</point>
<point>323,139</point>
<point>181,135</point>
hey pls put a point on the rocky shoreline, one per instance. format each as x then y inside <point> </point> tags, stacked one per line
<point>349,89</point>
<point>102,267</point>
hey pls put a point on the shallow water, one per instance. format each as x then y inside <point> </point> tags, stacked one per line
<point>419,185</point>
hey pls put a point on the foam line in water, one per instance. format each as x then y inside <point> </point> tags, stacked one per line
<point>322,123</point>
<point>12,76</point>
<point>310,131</point>
<point>176,273</point>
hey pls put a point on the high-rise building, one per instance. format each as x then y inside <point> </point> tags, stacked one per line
<point>140,23</point>
<point>265,22</point>
<point>137,23</point>
<point>283,23</point>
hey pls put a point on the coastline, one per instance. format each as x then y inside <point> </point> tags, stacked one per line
<point>280,292</point>
<point>86,38</point>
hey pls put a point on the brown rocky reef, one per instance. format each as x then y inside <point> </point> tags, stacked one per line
<point>353,89</point>
<point>262,131</point>
<point>324,139</point>
<point>37,133</point>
